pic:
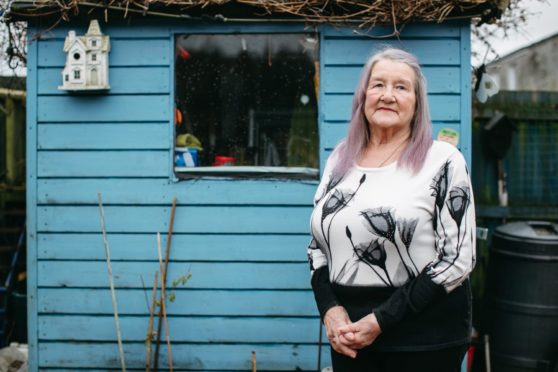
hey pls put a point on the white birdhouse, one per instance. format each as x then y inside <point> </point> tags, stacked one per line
<point>86,66</point>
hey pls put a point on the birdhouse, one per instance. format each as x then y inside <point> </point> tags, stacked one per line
<point>86,66</point>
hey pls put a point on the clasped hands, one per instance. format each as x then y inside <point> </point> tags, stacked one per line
<point>347,337</point>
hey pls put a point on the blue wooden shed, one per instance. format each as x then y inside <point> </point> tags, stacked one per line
<point>242,234</point>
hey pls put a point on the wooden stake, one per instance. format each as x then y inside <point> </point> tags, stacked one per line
<point>149,337</point>
<point>164,280</point>
<point>320,346</point>
<point>163,303</point>
<point>111,283</point>
<point>254,361</point>
<point>487,353</point>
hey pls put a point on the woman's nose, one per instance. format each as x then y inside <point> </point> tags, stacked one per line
<point>388,95</point>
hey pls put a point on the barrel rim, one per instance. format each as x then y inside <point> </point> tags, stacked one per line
<point>499,231</point>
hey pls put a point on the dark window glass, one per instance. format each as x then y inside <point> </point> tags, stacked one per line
<point>247,100</point>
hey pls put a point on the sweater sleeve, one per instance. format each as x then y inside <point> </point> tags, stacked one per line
<point>454,229</point>
<point>319,269</point>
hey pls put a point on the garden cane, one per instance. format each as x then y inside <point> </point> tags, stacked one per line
<point>164,279</point>
<point>111,283</point>
<point>149,336</point>
<point>163,303</point>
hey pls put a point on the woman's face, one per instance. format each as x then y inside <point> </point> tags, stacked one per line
<point>390,97</point>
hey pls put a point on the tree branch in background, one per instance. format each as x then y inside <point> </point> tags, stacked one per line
<point>512,21</point>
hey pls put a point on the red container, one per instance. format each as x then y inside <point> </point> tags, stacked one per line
<point>223,160</point>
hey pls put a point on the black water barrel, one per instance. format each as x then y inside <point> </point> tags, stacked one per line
<point>523,292</point>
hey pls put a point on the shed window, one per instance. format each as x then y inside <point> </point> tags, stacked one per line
<point>246,103</point>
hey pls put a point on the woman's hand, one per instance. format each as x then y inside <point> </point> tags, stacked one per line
<point>360,334</point>
<point>335,319</point>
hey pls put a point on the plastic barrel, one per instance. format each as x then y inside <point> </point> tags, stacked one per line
<point>523,293</point>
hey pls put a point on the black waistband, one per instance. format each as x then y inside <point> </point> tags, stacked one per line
<point>442,324</point>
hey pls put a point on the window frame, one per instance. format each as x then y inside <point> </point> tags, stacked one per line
<point>77,71</point>
<point>242,172</point>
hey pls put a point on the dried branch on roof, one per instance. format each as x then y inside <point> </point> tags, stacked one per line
<point>366,13</point>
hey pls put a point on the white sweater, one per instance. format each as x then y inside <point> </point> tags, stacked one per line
<point>380,227</point>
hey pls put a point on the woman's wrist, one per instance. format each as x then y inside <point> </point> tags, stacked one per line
<point>328,307</point>
<point>375,324</point>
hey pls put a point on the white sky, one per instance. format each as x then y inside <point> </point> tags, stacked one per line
<point>543,23</point>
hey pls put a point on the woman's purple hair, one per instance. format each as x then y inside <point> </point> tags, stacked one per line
<point>352,147</point>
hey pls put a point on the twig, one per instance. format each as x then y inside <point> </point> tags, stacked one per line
<point>149,337</point>
<point>164,280</point>
<point>254,361</point>
<point>111,283</point>
<point>163,306</point>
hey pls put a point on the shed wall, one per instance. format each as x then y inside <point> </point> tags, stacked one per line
<point>244,241</point>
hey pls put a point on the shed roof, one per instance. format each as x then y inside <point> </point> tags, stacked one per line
<point>363,13</point>
<point>510,56</point>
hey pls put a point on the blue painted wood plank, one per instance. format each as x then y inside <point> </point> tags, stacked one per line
<point>205,275</point>
<point>122,80</point>
<point>161,191</point>
<point>466,116</point>
<point>182,329</point>
<point>343,79</point>
<point>275,357</point>
<point>108,369</point>
<point>190,247</point>
<point>442,107</point>
<point>191,302</point>
<point>103,108</point>
<point>334,132</point>
<point>123,52</point>
<point>356,51</point>
<point>31,197</point>
<point>416,30</point>
<point>181,27</point>
<point>172,104</point>
<point>117,28</point>
<point>137,52</point>
<point>81,136</point>
<point>102,163</point>
<point>324,154</point>
<point>188,219</point>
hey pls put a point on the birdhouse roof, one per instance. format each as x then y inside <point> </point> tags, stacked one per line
<point>93,31</point>
<point>70,41</point>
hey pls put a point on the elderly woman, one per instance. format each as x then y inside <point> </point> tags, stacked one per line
<point>393,232</point>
